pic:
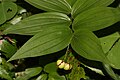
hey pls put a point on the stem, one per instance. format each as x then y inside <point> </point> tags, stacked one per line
<point>110,71</point>
<point>66,54</point>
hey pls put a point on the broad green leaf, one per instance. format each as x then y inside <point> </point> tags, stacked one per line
<point>7,10</point>
<point>42,77</point>
<point>55,76</point>
<point>108,41</point>
<point>114,55</point>
<point>30,72</point>
<point>50,68</point>
<point>82,5</point>
<point>4,74</point>
<point>51,5</point>
<point>71,2</point>
<point>47,41</point>
<point>36,23</point>
<point>2,14</point>
<point>96,18</point>
<point>86,44</point>
<point>8,48</point>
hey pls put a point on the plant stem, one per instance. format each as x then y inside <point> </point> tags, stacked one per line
<point>66,54</point>
<point>110,71</point>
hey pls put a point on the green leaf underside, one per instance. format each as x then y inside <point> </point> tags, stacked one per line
<point>87,45</point>
<point>7,10</point>
<point>108,41</point>
<point>51,5</point>
<point>47,41</point>
<point>30,72</point>
<point>35,23</point>
<point>114,55</point>
<point>82,5</point>
<point>96,18</point>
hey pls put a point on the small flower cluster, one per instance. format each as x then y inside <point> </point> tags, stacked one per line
<point>63,65</point>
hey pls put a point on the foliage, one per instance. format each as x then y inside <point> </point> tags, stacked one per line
<point>59,29</point>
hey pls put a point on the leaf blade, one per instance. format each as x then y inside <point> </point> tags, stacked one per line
<point>96,18</point>
<point>86,44</point>
<point>108,41</point>
<point>71,2</point>
<point>82,5</point>
<point>55,76</point>
<point>7,48</point>
<point>52,5</point>
<point>114,55</point>
<point>51,68</point>
<point>45,42</point>
<point>35,23</point>
<point>30,72</point>
<point>7,10</point>
<point>4,74</point>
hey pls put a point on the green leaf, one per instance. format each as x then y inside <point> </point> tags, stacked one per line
<point>4,26</point>
<point>36,23</point>
<point>47,41</point>
<point>8,48</point>
<point>42,77</point>
<point>7,66</point>
<point>50,68</point>
<point>114,55</point>
<point>108,41</point>
<point>30,72</point>
<point>4,74</point>
<point>96,18</point>
<point>55,76</point>
<point>86,44</point>
<point>51,5</point>
<point>71,2</point>
<point>82,5</point>
<point>7,10</point>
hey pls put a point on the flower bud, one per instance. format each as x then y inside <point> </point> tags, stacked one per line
<point>67,66</point>
<point>60,64</point>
